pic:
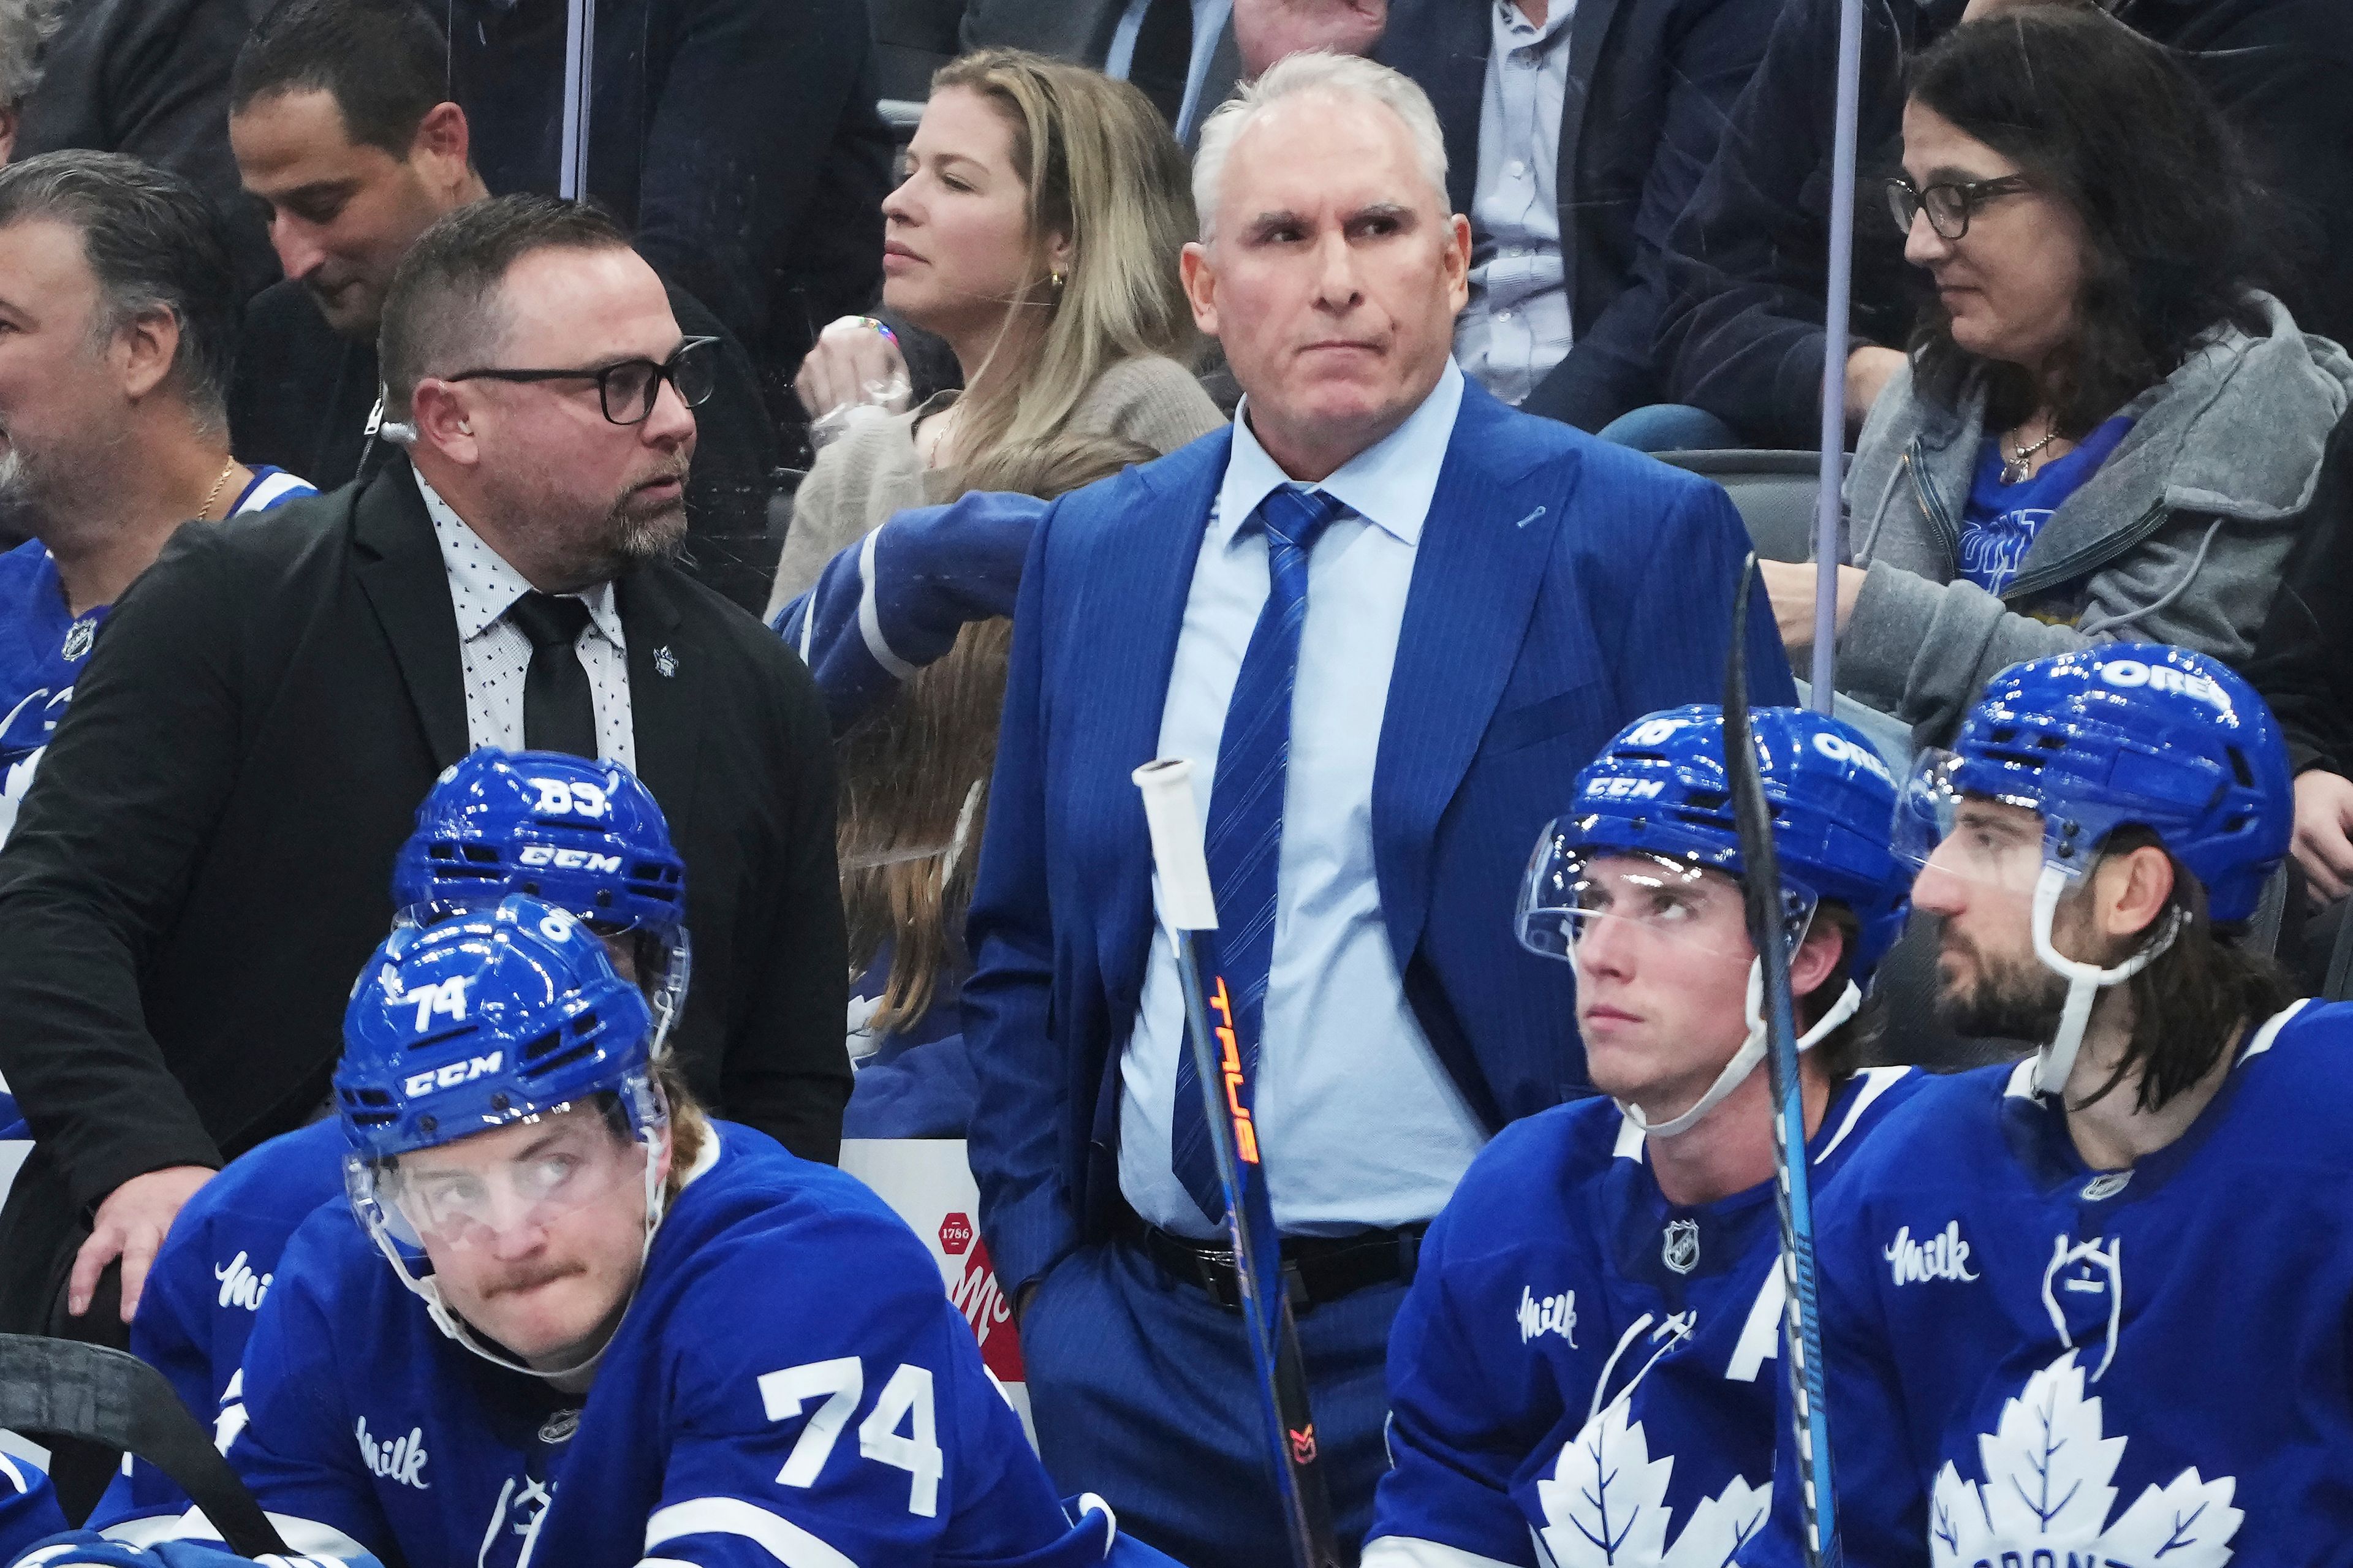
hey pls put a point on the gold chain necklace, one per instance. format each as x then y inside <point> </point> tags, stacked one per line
<point>213,494</point>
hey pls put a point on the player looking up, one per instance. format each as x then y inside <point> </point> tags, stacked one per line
<point>585,836</point>
<point>2094,1307</point>
<point>1584,1369</point>
<point>582,1322</point>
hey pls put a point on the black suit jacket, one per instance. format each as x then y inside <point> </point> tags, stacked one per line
<point>1082,30</point>
<point>1649,83</point>
<point>200,865</point>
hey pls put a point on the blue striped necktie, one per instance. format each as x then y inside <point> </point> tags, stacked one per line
<point>1244,837</point>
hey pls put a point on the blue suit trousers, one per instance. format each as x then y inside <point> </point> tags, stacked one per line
<point>1141,1391</point>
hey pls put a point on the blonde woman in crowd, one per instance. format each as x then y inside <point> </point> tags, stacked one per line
<point>1037,232</point>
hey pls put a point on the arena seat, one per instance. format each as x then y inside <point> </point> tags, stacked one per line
<point>1774,492</point>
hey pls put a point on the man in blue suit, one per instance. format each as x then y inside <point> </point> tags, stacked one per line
<point>1397,618</point>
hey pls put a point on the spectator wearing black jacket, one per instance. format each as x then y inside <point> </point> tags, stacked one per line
<point>344,137</point>
<point>738,139</point>
<point>1742,337</point>
<point>1575,134</point>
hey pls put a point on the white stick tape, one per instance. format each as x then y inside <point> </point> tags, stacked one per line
<point>1174,819</point>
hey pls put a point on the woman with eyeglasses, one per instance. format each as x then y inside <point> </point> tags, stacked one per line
<point>2105,429</point>
<point>1037,231</point>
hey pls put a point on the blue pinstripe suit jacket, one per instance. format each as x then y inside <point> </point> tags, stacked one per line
<point>1563,587</point>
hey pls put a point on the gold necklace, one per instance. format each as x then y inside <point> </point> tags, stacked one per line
<point>213,494</point>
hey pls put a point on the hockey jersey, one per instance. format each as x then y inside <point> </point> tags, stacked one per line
<point>42,647</point>
<point>2034,1362</point>
<point>790,1383</point>
<point>28,1510</point>
<point>1584,1372</point>
<point>206,1286</point>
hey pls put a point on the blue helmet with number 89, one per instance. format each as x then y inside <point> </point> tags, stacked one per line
<point>586,836</point>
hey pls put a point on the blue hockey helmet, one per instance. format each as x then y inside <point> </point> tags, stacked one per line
<point>586,836</point>
<point>2138,734</point>
<point>1660,790</point>
<point>482,1019</point>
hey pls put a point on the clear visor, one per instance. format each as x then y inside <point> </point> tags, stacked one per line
<point>1575,894</point>
<point>1992,840</point>
<point>523,1176</point>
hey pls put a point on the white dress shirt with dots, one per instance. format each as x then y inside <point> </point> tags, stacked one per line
<point>496,653</point>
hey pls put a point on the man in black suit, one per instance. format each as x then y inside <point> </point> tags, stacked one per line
<point>1180,52</point>
<point>268,703</point>
<point>1575,134</point>
<point>345,138</point>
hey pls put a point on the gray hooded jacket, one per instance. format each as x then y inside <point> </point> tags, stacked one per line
<point>2180,537</point>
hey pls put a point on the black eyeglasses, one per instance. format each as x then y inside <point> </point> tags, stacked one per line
<point>1948,206</point>
<point>627,391</point>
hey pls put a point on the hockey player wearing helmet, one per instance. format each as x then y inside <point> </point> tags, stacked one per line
<point>580,1322</point>
<point>585,836</point>
<point>2094,1307</point>
<point>1584,1369</point>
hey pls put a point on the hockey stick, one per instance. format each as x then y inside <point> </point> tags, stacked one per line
<point>1227,1097</point>
<point>63,1389</point>
<point>1801,1313</point>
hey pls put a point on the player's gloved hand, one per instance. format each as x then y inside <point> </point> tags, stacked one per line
<point>88,1549</point>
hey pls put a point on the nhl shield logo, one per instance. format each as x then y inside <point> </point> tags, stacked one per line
<point>79,637</point>
<point>1680,1250</point>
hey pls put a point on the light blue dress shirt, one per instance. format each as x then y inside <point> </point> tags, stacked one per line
<point>1517,326</point>
<point>1362,1125</point>
<point>1210,19</point>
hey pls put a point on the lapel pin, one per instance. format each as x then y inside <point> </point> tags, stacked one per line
<point>665,662</point>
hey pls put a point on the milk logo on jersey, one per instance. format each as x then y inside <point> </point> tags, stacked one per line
<point>2046,1498</point>
<point>1678,1247</point>
<point>1606,1504</point>
<point>1542,1315</point>
<point>26,728</point>
<point>240,1286</point>
<point>400,1461</point>
<point>1914,1260</point>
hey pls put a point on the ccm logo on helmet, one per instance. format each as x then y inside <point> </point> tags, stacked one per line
<point>2132,672</point>
<point>449,1077</point>
<point>1839,749</point>
<point>1625,789</point>
<point>569,860</point>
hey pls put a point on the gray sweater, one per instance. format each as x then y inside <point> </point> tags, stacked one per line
<point>2180,537</point>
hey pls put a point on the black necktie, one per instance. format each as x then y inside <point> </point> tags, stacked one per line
<point>1164,55</point>
<point>558,715</point>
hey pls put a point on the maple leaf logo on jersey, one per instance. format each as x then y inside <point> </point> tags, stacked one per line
<point>2047,1465</point>
<point>1606,1504</point>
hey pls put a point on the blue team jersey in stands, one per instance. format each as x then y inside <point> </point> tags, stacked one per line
<point>27,1509</point>
<point>2032,1362</point>
<point>206,1286</point>
<point>42,647</point>
<point>1584,1372</point>
<point>790,1384</point>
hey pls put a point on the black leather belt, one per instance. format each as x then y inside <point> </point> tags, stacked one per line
<point>1315,1269</point>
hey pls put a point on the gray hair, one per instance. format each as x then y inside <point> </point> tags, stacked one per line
<point>25,29</point>
<point>1315,72</point>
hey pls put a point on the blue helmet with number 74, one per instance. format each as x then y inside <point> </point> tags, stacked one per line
<point>484,1018</point>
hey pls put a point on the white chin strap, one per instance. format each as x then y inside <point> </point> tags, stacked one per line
<point>2085,981</point>
<point>429,1290</point>
<point>1744,1061</point>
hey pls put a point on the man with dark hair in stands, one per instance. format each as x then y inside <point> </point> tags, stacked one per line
<point>1740,350</point>
<point>345,137</point>
<point>274,696</point>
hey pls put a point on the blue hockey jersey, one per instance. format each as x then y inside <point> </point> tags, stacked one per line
<point>2032,1362</point>
<point>28,1510</point>
<point>206,1286</point>
<point>1584,1372</point>
<point>42,647</point>
<point>790,1384</point>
